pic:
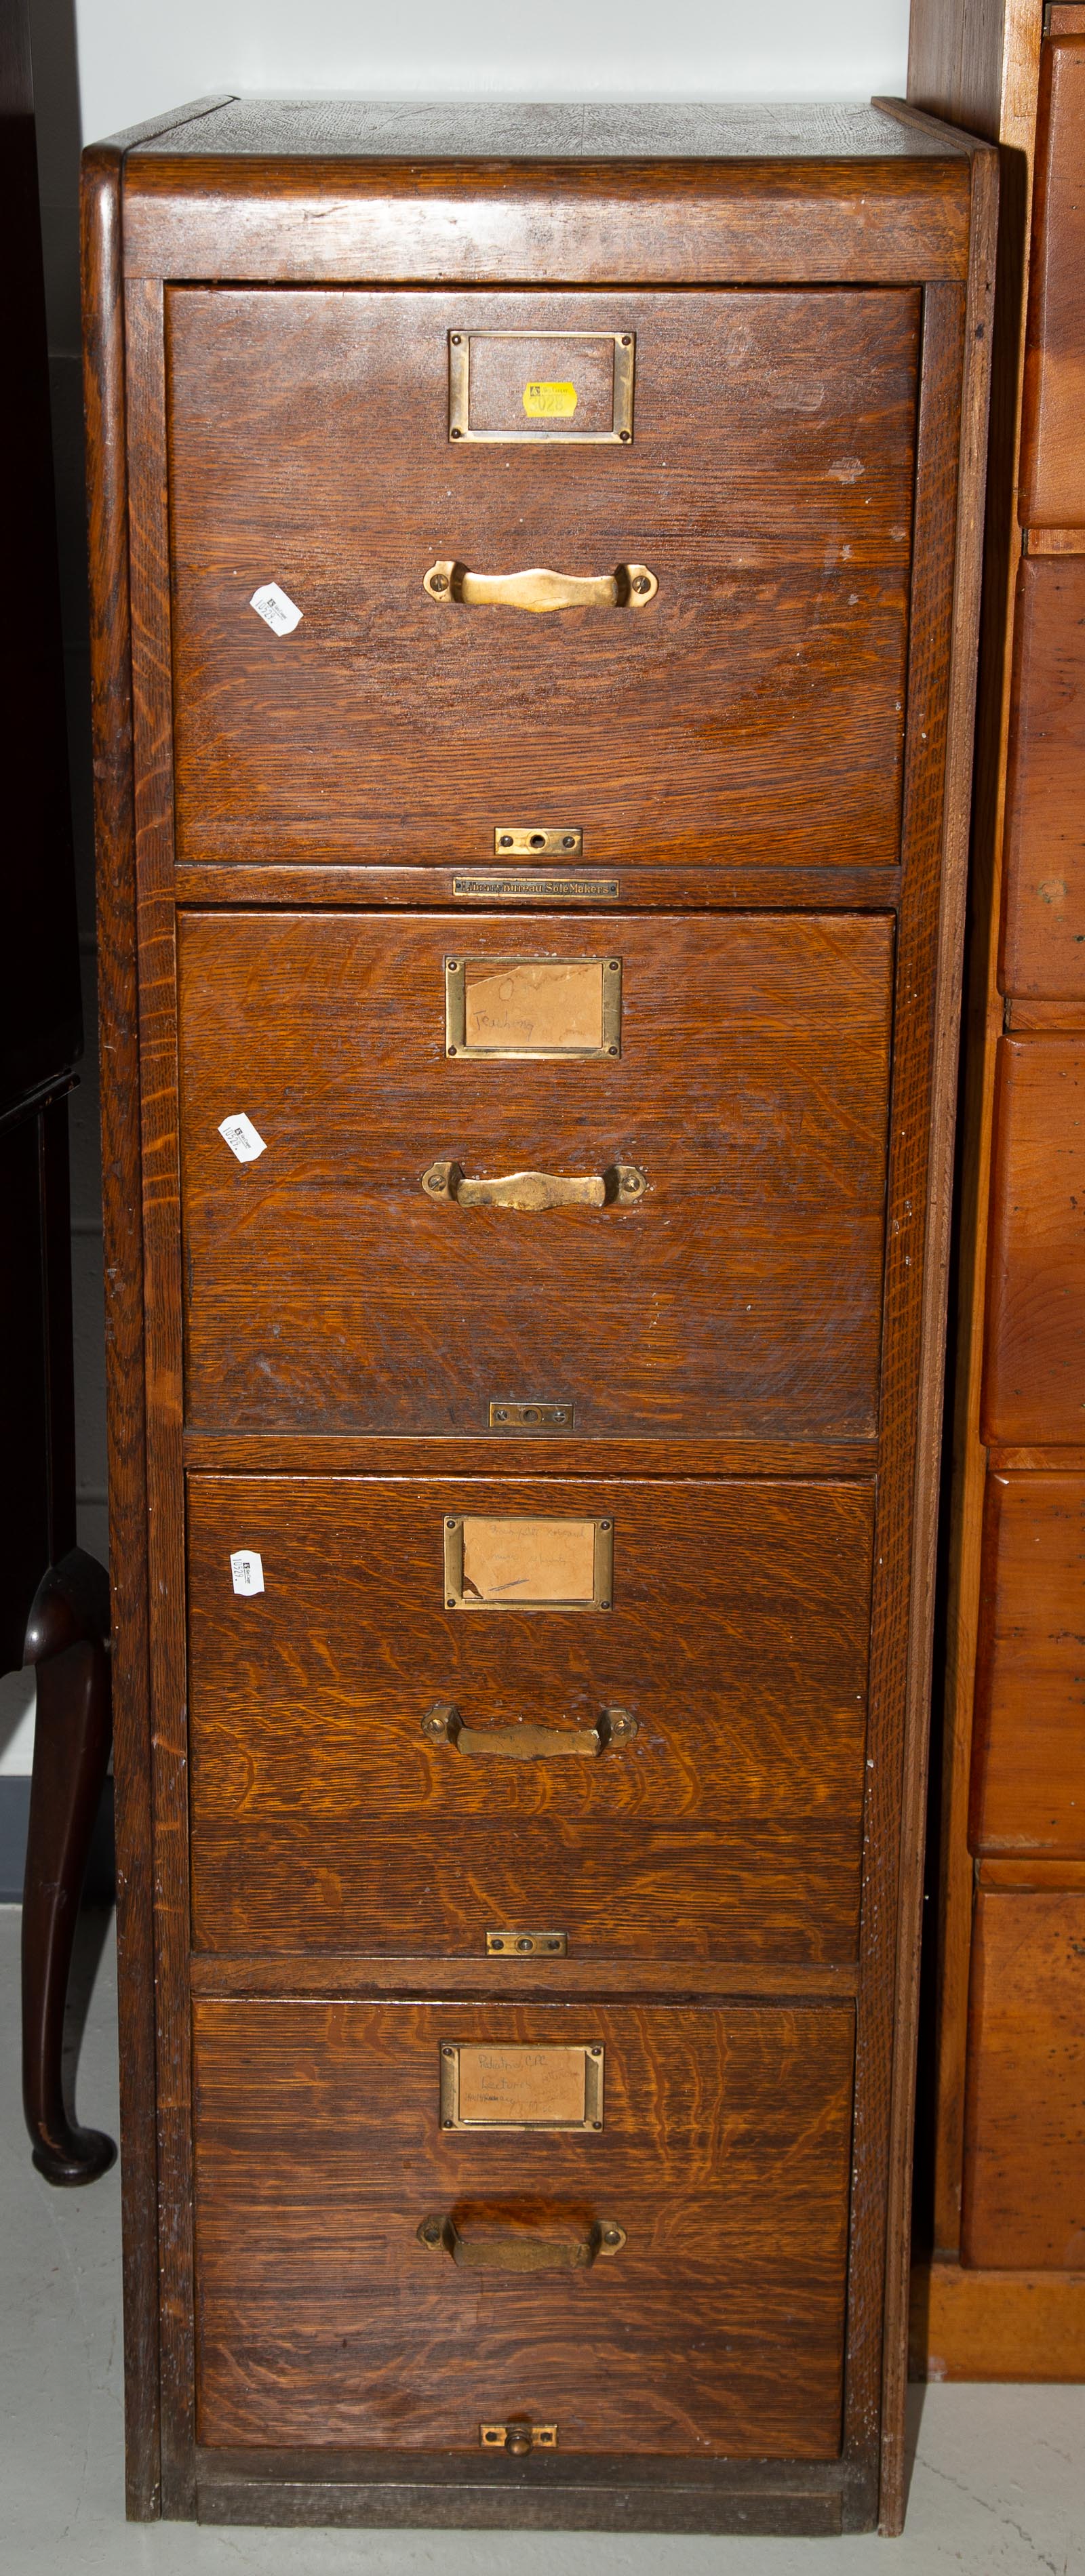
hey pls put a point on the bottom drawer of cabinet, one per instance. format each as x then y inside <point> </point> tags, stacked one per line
<point>417,2224</point>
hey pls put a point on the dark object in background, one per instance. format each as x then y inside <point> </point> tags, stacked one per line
<point>54,1600</point>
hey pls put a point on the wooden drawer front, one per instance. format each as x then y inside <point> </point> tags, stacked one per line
<point>1034,1376</point>
<point>1028,1782</point>
<point>1043,927</point>
<point>1024,2168</point>
<point>326,1817</point>
<point>753,710</point>
<point>723,2156</point>
<point>1053,447</point>
<point>327,1290</point>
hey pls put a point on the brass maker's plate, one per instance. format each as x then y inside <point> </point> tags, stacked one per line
<point>533,1006</point>
<point>574,388</point>
<point>490,2087</point>
<point>536,889</point>
<point>527,1564</point>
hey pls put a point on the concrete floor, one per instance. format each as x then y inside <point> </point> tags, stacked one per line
<point>998,2487</point>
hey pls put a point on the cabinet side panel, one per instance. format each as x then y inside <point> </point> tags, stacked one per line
<point>958,439</point>
<point>152,736</point>
<point>114,827</point>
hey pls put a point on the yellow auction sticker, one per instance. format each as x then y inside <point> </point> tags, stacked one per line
<point>549,402</point>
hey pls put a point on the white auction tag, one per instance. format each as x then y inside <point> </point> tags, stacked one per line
<point>276,609</point>
<point>242,1137</point>
<point>248,1570</point>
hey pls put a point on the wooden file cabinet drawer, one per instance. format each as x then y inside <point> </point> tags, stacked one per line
<point>328,1815</point>
<point>1034,1368</point>
<point>722,2159</point>
<point>1028,1753</point>
<point>1052,460</point>
<point>1024,2204</point>
<point>1043,910</point>
<point>753,709</point>
<point>334,1284</point>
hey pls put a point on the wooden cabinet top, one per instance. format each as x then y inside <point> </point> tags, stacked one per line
<point>686,192</point>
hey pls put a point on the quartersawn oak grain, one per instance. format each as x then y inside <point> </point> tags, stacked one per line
<point>724,2154</point>
<point>325,1291</point>
<point>729,1826</point>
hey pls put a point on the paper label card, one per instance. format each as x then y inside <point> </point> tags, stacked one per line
<point>247,1569</point>
<point>277,611</point>
<point>242,1137</point>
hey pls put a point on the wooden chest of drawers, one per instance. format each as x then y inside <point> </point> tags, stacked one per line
<point>529,1051</point>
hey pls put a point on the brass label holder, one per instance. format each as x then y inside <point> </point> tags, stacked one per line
<point>528,429</point>
<point>539,1008</point>
<point>490,2086</point>
<point>526,1564</point>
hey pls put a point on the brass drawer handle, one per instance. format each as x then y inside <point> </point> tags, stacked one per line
<point>521,2252</point>
<point>443,1725</point>
<point>536,1190</point>
<point>628,586</point>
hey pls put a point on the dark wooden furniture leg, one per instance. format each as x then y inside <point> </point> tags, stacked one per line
<point>67,1639</point>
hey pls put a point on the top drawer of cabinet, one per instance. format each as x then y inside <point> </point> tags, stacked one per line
<point>718,484</point>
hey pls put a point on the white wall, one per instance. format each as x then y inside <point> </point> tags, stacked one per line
<point>137,57</point>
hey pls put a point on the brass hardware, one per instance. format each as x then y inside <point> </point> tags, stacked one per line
<point>523,1743</point>
<point>538,889</point>
<point>527,1945</point>
<point>535,841</point>
<point>494,2087</point>
<point>518,2436</point>
<point>533,1192</point>
<point>533,1006</point>
<point>530,1417</point>
<point>522,2252</point>
<point>630,585</point>
<point>527,1564</point>
<point>544,393</point>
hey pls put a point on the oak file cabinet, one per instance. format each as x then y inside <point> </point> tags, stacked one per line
<point>534,560</point>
